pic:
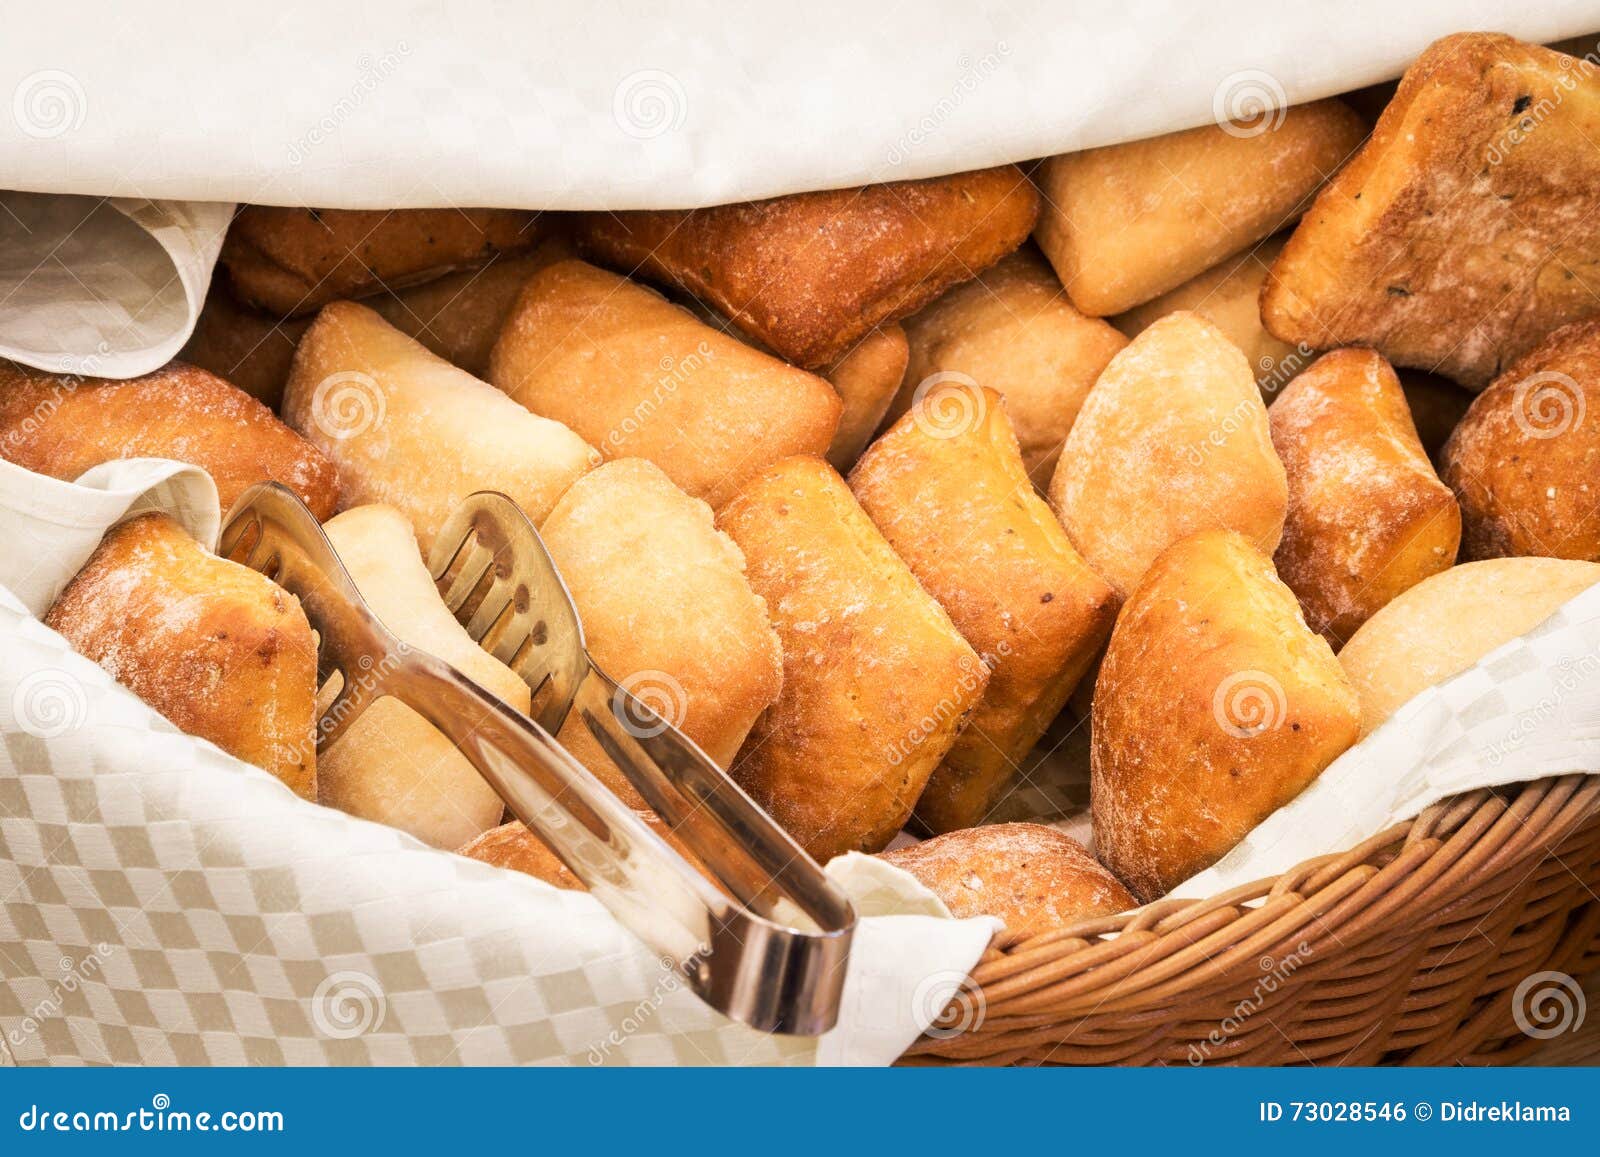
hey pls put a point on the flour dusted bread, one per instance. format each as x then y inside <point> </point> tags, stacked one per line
<point>292,261</point>
<point>1172,439</point>
<point>1368,517</point>
<point>391,765</point>
<point>666,610</point>
<point>411,430</point>
<point>1012,329</point>
<point>1125,223</point>
<point>219,650</point>
<point>1525,461</point>
<point>1228,295</point>
<point>1455,240</point>
<point>809,274</point>
<point>1029,875</point>
<point>1215,706</point>
<point>947,487</point>
<point>1445,624</point>
<point>639,377</point>
<point>877,682</point>
<point>62,426</point>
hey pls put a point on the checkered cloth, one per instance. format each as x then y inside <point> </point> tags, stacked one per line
<point>103,288</point>
<point>161,902</point>
<point>591,106</point>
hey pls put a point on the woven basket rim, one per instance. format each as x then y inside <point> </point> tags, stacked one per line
<point>1173,956</point>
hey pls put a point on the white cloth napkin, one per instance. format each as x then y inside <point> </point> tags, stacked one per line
<point>165,903</point>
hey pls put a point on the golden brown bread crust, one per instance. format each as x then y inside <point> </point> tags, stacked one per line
<point>294,261</point>
<point>1031,876</point>
<point>1525,461</point>
<point>218,649</point>
<point>1215,706</point>
<point>1228,295</point>
<point>244,346</point>
<point>1125,223</point>
<point>1012,329</point>
<point>809,274</point>
<point>947,488</point>
<point>1456,239</point>
<point>877,682</point>
<point>1368,517</point>
<point>638,377</point>
<point>1445,624</point>
<point>1172,439</point>
<point>866,379</point>
<point>62,426</point>
<point>666,610</point>
<point>410,430</point>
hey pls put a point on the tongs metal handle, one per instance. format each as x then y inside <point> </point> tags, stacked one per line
<point>771,955</point>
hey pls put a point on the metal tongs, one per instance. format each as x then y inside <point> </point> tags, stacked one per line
<point>767,948</point>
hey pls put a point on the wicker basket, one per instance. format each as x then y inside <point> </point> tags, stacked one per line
<point>1407,949</point>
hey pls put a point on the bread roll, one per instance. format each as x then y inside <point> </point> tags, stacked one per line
<point>457,316</point>
<point>1013,330</point>
<point>1216,705</point>
<point>409,429</point>
<point>1525,461</point>
<point>63,425</point>
<point>641,378</point>
<point>947,488</point>
<point>219,650</point>
<point>1125,223</point>
<point>811,273</point>
<point>1368,517</point>
<point>292,261</point>
<point>1033,877</point>
<point>251,349</point>
<point>1445,624</point>
<point>1172,439</point>
<point>1228,295</point>
<point>391,766</point>
<point>866,380</point>
<point>1454,240</point>
<point>666,610</point>
<point>877,682</point>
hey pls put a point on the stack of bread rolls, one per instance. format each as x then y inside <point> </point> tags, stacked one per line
<point>864,489</point>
